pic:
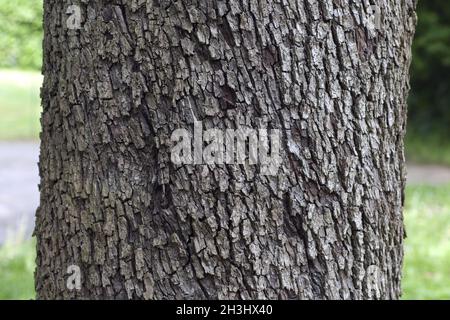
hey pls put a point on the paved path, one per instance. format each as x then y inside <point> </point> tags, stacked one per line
<point>428,174</point>
<point>19,178</point>
<point>19,196</point>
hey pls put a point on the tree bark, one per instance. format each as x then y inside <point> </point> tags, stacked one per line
<point>329,225</point>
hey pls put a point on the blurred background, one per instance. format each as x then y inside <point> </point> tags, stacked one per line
<point>427,211</point>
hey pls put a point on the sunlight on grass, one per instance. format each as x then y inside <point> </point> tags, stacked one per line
<point>19,105</point>
<point>426,273</point>
<point>17,263</point>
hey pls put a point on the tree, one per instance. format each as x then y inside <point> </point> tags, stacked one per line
<point>125,221</point>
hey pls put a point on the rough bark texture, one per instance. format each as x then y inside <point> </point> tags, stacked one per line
<point>328,226</point>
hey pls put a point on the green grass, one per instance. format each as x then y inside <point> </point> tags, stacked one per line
<point>17,263</point>
<point>432,148</point>
<point>19,105</point>
<point>426,273</point>
<point>427,251</point>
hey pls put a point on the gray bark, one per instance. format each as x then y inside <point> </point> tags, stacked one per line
<point>329,225</point>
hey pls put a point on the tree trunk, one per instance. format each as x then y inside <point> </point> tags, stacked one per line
<point>331,75</point>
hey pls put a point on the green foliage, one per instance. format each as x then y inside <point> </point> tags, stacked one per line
<point>427,148</point>
<point>430,70</point>
<point>21,34</point>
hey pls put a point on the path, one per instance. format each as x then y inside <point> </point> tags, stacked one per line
<point>428,174</point>
<point>19,196</point>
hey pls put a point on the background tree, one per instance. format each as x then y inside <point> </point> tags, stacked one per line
<point>430,81</point>
<point>329,225</point>
<point>21,33</point>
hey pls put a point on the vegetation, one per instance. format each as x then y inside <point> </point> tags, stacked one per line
<point>16,270</point>
<point>431,148</point>
<point>21,34</point>
<point>426,273</point>
<point>19,105</point>
<point>429,111</point>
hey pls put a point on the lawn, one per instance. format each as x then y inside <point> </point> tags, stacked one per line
<point>426,273</point>
<point>431,148</point>
<point>19,105</point>
<point>17,263</point>
<point>427,251</point>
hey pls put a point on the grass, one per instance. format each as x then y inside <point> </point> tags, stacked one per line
<point>17,263</point>
<point>19,105</point>
<point>430,148</point>
<point>426,273</point>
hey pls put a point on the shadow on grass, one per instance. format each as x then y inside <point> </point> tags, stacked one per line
<point>432,148</point>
